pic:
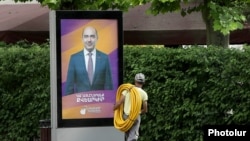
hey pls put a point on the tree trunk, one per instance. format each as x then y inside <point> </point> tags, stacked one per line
<point>215,38</point>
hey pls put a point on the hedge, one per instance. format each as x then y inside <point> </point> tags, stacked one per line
<point>187,88</point>
<point>24,91</point>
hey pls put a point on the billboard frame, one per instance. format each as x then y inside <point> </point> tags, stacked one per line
<point>85,15</point>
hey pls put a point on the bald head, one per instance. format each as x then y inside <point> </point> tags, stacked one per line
<point>89,37</point>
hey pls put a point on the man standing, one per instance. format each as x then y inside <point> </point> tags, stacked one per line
<point>133,133</point>
<point>88,69</point>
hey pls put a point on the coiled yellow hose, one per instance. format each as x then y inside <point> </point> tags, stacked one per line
<point>136,102</point>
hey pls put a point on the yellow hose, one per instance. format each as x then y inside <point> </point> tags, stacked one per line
<point>136,102</point>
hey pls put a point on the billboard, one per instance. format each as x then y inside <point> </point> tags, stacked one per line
<point>89,66</point>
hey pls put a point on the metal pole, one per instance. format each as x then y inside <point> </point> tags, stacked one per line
<point>45,130</point>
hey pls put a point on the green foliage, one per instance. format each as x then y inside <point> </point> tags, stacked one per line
<point>225,15</point>
<point>158,6</point>
<point>86,5</point>
<point>24,91</point>
<point>229,17</point>
<point>189,88</point>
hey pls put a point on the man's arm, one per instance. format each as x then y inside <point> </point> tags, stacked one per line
<point>108,80</point>
<point>70,78</point>
<point>144,107</point>
<point>119,102</point>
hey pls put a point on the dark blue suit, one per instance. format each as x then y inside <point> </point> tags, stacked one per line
<point>77,77</point>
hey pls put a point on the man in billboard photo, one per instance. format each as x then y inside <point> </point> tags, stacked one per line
<point>89,69</point>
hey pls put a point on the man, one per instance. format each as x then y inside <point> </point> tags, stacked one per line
<point>88,69</point>
<point>133,133</point>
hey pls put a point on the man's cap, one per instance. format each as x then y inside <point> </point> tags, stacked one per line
<point>140,77</point>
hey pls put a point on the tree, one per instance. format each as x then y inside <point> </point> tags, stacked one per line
<point>220,16</point>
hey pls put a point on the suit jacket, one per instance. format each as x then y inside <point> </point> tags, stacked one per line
<point>77,76</point>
